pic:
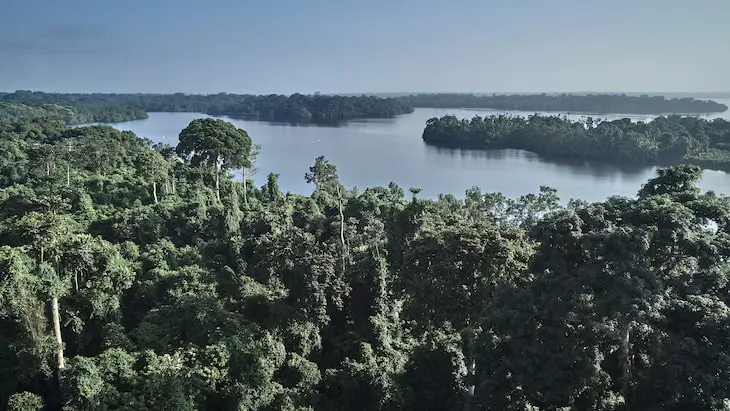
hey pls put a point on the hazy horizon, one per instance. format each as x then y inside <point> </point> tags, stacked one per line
<point>378,47</point>
<point>667,94</point>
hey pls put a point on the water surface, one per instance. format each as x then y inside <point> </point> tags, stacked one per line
<point>376,152</point>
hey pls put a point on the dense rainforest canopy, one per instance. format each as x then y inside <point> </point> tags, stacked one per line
<point>663,141</point>
<point>297,108</point>
<point>143,277</point>
<point>575,103</point>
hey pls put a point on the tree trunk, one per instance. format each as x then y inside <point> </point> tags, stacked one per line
<point>342,228</point>
<point>625,360</point>
<point>470,368</point>
<point>471,371</point>
<point>173,183</point>
<point>217,183</point>
<point>68,166</point>
<point>56,317</point>
<point>154,190</point>
<point>245,191</point>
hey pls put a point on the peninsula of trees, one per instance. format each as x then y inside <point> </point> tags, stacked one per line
<point>71,113</point>
<point>571,103</point>
<point>144,277</point>
<point>296,108</point>
<point>663,141</point>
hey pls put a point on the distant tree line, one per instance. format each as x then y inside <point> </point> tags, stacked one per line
<point>590,103</point>
<point>296,108</point>
<point>326,109</point>
<point>72,113</point>
<point>664,141</point>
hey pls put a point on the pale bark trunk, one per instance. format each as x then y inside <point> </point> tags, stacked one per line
<point>217,183</point>
<point>470,371</point>
<point>342,228</point>
<point>218,177</point>
<point>56,317</point>
<point>68,167</point>
<point>154,190</point>
<point>625,359</point>
<point>245,190</point>
<point>173,184</point>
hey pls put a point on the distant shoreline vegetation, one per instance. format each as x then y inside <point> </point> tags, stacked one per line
<point>296,108</point>
<point>589,103</point>
<point>79,108</point>
<point>664,141</point>
<point>71,114</point>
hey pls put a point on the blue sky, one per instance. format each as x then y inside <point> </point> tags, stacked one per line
<point>278,46</point>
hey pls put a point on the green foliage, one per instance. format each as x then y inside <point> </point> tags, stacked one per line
<point>663,141</point>
<point>590,103</point>
<point>25,401</point>
<point>217,145</point>
<point>344,299</point>
<point>296,108</point>
<point>321,109</point>
<point>434,377</point>
<point>208,142</point>
<point>68,111</point>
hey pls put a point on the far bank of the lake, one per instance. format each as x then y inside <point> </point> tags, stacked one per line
<point>376,152</point>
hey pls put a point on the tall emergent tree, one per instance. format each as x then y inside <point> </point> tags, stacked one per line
<point>216,144</point>
<point>323,175</point>
<point>44,231</point>
<point>450,275</point>
<point>154,167</point>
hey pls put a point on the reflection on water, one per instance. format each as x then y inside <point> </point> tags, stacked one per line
<point>283,123</point>
<point>569,166</point>
<point>371,121</point>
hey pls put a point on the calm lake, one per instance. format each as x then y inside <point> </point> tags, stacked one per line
<point>376,152</point>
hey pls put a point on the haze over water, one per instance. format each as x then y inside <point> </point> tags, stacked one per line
<point>375,152</point>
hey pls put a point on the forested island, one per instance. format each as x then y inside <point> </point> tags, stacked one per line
<point>296,108</point>
<point>571,103</point>
<point>136,276</point>
<point>663,141</point>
